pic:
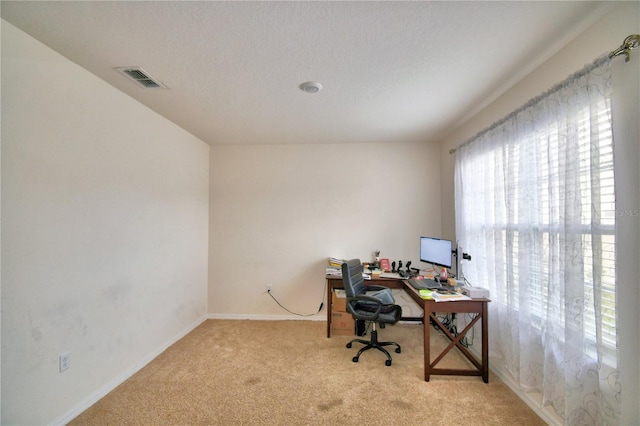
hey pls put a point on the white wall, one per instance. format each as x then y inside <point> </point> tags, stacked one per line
<point>278,212</point>
<point>104,233</point>
<point>602,37</point>
<point>626,112</point>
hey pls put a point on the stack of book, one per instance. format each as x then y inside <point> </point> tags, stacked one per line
<point>334,268</point>
<point>334,262</point>
<point>448,297</point>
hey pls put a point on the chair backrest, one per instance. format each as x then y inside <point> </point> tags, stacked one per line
<point>352,278</point>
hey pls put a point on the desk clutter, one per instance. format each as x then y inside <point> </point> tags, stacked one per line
<point>334,269</point>
<point>439,296</point>
<point>428,284</point>
<point>376,269</point>
<point>384,269</point>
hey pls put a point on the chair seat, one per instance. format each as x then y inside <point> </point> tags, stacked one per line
<point>386,318</point>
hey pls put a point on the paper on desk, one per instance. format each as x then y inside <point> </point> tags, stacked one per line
<point>448,297</point>
<point>390,275</point>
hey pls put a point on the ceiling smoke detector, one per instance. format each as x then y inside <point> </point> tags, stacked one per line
<point>141,77</point>
<point>311,87</point>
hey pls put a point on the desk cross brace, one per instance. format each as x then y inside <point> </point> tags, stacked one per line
<point>455,341</point>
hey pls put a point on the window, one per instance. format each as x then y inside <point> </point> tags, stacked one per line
<point>535,206</point>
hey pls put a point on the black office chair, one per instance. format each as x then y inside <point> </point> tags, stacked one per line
<point>371,309</point>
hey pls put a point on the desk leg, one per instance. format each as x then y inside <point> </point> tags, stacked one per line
<point>329,300</point>
<point>485,343</point>
<point>427,345</point>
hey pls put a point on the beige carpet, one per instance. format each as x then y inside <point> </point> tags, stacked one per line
<point>241,372</point>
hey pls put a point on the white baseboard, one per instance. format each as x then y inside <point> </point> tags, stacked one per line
<point>316,317</point>
<point>101,393</point>
<point>533,400</point>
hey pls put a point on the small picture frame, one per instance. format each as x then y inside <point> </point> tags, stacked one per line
<point>385,265</point>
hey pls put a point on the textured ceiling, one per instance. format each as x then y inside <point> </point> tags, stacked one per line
<point>391,71</point>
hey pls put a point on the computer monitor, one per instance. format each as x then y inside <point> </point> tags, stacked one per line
<point>435,251</point>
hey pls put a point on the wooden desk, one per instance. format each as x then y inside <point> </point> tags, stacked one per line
<point>473,306</point>
<point>477,306</point>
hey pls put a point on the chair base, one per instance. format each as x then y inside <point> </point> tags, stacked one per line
<point>374,344</point>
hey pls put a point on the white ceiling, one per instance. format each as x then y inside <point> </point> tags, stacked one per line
<point>391,71</point>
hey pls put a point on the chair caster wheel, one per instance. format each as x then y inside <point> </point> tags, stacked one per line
<point>355,359</point>
<point>387,362</point>
<point>349,345</point>
<point>398,350</point>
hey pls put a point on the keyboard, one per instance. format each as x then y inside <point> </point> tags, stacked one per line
<point>424,284</point>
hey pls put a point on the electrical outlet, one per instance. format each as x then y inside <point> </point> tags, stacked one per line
<point>65,361</point>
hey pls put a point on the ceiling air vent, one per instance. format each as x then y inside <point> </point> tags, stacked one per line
<point>141,77</point>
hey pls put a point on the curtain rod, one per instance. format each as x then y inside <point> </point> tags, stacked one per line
<point>630,42</point>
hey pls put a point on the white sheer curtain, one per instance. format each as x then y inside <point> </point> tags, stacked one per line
<point>535,208</point>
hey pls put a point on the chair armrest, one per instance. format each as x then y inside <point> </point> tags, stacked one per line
<point>365,298</point>
<point>364,315</point>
